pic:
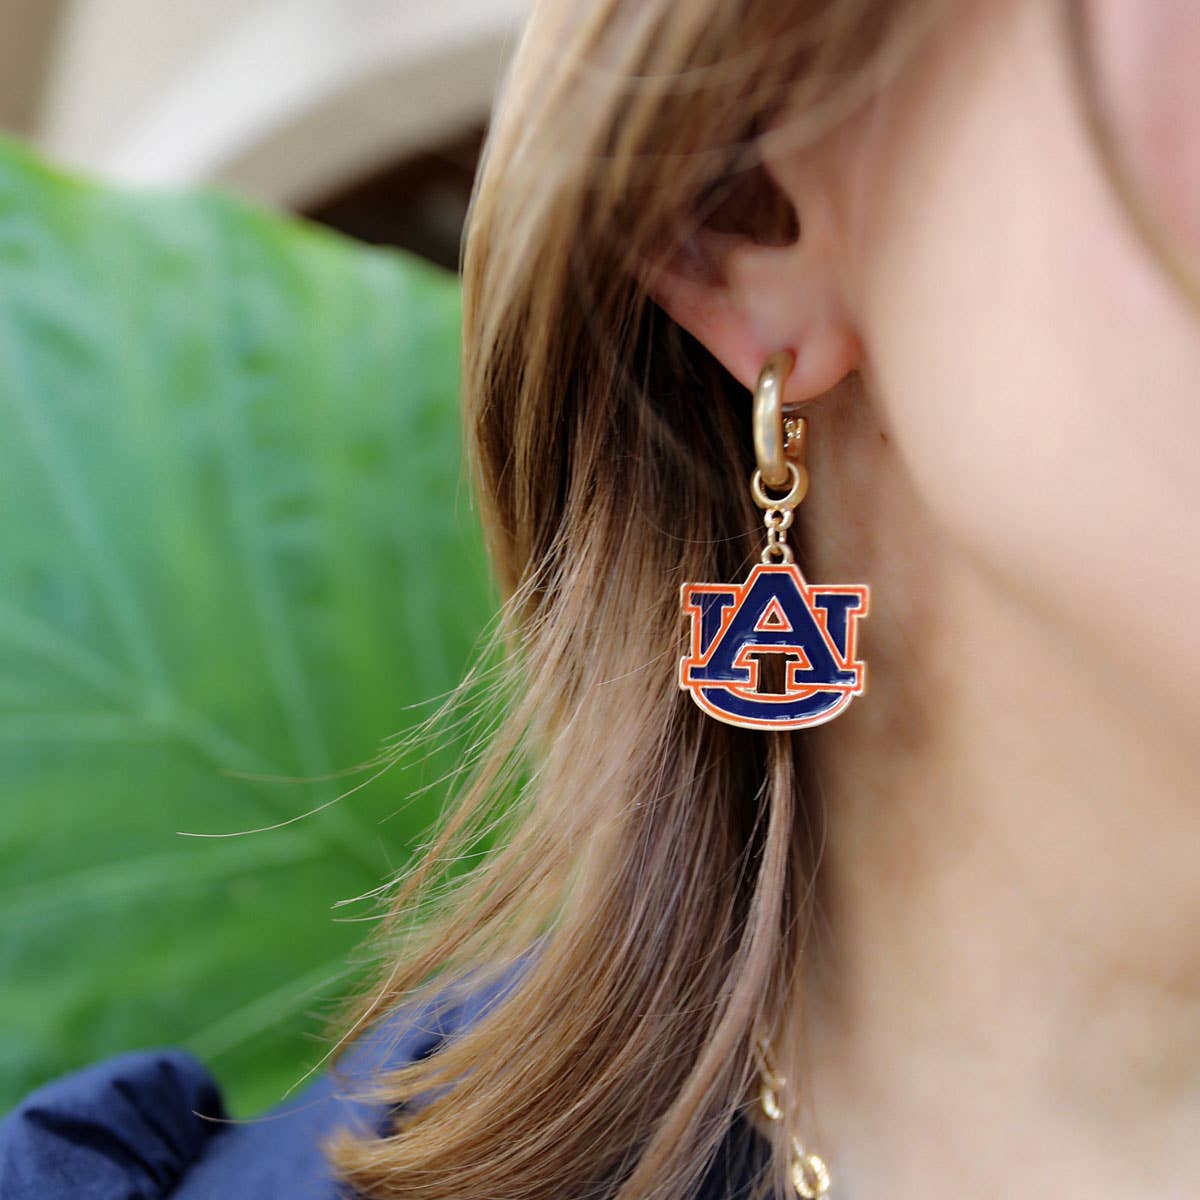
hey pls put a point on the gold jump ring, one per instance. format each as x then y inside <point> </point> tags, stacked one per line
<point>796,478</point>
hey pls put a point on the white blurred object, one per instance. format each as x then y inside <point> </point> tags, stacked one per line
<point>283,99</point>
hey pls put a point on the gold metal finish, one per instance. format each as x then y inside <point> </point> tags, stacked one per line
<point>795,477</point>
<point>772,1082</point>
<point>778,512</point>
<point>777,521</point>
<point>809,1174</point>
<point>779,447</point>
<point>770,437</point>
<point>795,438</point>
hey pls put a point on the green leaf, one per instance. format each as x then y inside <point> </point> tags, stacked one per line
<point>235,550</point>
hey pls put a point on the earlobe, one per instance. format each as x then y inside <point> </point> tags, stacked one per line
<point>745,302</point>
<point>824,357</point>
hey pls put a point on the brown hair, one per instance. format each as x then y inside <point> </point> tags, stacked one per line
<point>659,864</point>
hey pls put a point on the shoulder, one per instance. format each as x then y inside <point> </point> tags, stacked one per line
<point>125,1127</point>
<point>153,1124</point>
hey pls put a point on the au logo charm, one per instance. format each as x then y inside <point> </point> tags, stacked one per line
<point>737,628</point>
<point>775,652</point>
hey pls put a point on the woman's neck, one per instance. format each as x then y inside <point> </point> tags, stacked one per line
<point>1004,988</point>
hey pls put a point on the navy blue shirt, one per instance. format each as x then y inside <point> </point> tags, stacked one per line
<point>152,1125</point>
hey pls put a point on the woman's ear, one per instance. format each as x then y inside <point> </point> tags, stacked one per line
<point>745,292</point>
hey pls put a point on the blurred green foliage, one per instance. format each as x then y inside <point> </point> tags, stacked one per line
<point>234,548</point>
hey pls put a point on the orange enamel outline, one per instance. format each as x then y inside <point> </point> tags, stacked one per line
<point>739,593</point>
<point>782,624</point>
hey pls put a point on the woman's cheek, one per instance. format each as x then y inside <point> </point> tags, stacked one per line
<point>1146,58</point>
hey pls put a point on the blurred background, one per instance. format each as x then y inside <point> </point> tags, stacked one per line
<point>238,560</point>
<point>366,115</point>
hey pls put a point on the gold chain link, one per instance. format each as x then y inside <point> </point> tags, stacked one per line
<point>778,521</point>
<point>809,1174</point>
<point>779,511</point>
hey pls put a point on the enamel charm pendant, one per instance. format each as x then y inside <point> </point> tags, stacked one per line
<point>774,652</point>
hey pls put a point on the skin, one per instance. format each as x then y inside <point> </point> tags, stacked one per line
<point>1003,997</point>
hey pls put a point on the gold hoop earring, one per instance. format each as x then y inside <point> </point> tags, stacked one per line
<point>775,613</point>
<point>777,438</point>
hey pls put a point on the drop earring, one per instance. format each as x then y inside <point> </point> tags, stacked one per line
<point>811,630</point>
